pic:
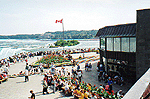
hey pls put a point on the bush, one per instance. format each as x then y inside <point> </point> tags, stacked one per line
<point>66,43</point>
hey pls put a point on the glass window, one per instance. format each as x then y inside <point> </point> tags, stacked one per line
<point>110,44</point>
<point>125,44</point>
<point>103,43</point>
<point>116,44</point>
<point>132,44</point>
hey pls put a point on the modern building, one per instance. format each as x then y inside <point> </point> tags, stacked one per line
<point>127,46</point>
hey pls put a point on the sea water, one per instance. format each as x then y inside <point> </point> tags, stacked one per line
<point>10,47</point>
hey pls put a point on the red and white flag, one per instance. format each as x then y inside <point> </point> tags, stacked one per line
<point>59,21</point>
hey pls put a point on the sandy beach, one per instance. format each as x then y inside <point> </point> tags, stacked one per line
<point>16,88</point>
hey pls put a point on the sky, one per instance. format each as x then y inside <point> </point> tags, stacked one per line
<point>39,16</point>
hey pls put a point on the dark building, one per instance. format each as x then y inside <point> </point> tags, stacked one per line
<point>142,42</point>
<point>127,46</point>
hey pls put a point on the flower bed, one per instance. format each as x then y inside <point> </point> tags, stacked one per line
<point>58,60</point>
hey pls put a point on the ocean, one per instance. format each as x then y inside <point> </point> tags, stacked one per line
<point>10,47</point>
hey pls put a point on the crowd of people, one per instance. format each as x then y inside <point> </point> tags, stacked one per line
<point>59,79</point>
<point>7,62</point>
<point>88,66</point>
<point>22,56</point>
<point>109,77</point>
<point>71,85</point>
<point>69,82</point>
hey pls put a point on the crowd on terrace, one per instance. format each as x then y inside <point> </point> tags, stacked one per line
<point>70,83</point>
<point>24,56</point>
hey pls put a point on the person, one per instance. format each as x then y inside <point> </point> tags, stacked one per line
<point>66,87</point>
<point>26,60</point>
<point>78,66</point>
<point>45,86</point>
<point>101,86</point>
<point>86,66</point>
<point>107,87</point>
<point>42,68</point>
<point>6,70</point>
<point>1,77</point>
<point>90,66</point>
<point>79,76</point>
<point>53,71</point>
<point>27,67</point>
<point>74,63</point>
<point>121,81</point>
<point>1,70</point>
<point>54,86</point>
<point>60,84</point>
<point>63,70</point>
<point>72,70</point>
<point>49,81</point>
<point>99,76</point>
<point>52,65</point>
<point>32,95</point>
<point>26,75</point>
<point>69,77</point>
<point>86,94</point>
<point>110,81</point>
<point>119,93</point>
<point>36,69</point>
<point>5,75</point>
<point>75,94</point>
<point>80,57</point>
<point>93,96</point>
<point>83,54</point>
<point>69,93</point>
<point>69,57</point>
<point>81,94</point>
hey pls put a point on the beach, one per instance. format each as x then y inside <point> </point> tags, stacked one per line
<point>16,88</point>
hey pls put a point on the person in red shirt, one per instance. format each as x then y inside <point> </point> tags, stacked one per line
<point>107,87</point>
<point>1,77</point>
<point>26,60</point>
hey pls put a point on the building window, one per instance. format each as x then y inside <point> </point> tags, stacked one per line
<point>125,44</point>
<point>110,44</point>
<point>132,44</point>
<point>116,44</point>
<point>103,43</point>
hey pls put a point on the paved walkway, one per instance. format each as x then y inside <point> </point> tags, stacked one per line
<point>16,88</point>
<point>17,67</point>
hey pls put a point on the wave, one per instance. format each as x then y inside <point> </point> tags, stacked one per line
<point>6,52</point>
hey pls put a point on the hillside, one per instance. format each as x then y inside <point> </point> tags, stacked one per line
<point>71,34</point>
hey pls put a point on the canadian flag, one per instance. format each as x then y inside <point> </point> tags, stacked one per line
<point>60,21</point>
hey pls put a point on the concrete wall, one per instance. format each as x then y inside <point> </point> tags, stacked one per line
<point>137,90</point>
<point>142,42</point>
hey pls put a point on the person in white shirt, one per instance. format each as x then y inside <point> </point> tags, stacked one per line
<point>26,75</point>
<point>79,76</point>
<point>6,70</point>
<point>119,93</point>
<point>1,70</point>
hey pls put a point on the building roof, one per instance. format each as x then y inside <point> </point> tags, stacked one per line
<point>123,30</point>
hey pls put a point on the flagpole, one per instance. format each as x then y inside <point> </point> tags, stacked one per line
<point>63,35</point>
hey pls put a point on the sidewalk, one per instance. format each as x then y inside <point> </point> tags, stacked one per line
<point>20,66</point>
